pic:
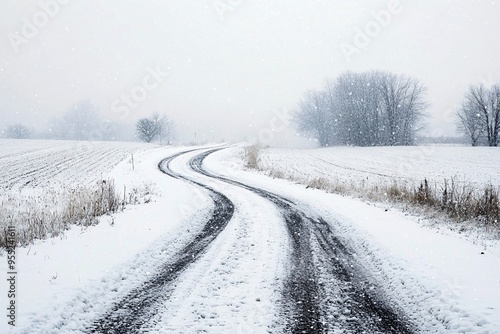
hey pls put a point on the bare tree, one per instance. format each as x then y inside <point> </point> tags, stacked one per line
<point>146,129</point>
<point>495,111</point>
<point>164,128</point>
<point>403,107</point>
<point>469,123</point>
<point>81,122</point>
<point>370,108</point>
<point>313,118</point>
<point>356,108</point>
<point>486,104</point>
<point>155,127</point>
<point>17,131</point>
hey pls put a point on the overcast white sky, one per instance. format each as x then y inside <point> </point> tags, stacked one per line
<point>229,73</point>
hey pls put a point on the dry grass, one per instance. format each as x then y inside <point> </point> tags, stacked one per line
<point>50,213</point>
<point>459,203</point>
<point>252,156</point>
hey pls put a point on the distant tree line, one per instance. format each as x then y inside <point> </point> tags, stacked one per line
<point>478,117</point>
<point>364,109</point>
<point>83,122</point>
<point>17,131</point>
<point>80,122</point>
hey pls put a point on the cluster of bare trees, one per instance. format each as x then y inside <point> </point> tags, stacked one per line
<point>17,131</point>
<point>157,126</point>
<point>82,122</point>
<point>479,115</point>
<point>364,109</point>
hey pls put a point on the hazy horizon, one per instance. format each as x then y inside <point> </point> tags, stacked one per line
<point>224,69</point>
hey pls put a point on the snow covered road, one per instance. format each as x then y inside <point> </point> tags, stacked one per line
<point>249,254</point>
<point>269,253</point>
<point>140,305</point>
<point>443,282</point>
<point>225,279</point>
<point>325,289</point>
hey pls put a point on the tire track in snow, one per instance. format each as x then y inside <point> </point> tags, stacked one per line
<point>138,307</point>
<point>302,309</point>
<point>325,290</point>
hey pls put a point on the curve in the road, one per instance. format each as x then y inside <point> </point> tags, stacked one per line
<point>138,307</point>
<point>325,289</point>
<point>312,302</point>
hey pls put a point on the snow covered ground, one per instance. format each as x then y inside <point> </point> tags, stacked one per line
<point>28,164</point>
<point>374,165</point>
<point>39,178</point>
<point>443,282</point>
<point>64,283</point>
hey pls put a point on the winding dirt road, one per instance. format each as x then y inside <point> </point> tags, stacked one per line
<point>324,288</point>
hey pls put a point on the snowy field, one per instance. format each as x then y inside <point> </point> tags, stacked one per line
<point>443,282</point>
<point>65,281</point>
<point>28,164</point>
<point>449,283</point>
<point>478,166</point>
<point>43,181</point>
